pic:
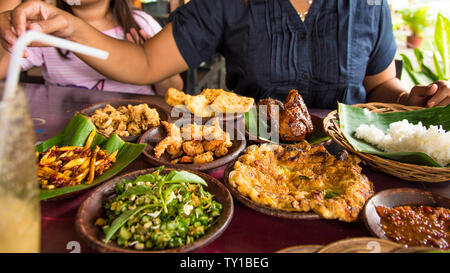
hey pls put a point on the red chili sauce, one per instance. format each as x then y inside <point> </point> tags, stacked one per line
<point>416,225</point>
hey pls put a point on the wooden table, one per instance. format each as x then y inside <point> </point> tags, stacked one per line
<point>52,108</point>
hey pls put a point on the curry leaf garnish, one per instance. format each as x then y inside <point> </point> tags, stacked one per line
<point>331,194</point>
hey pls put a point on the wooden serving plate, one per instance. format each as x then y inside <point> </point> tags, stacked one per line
<point>394,198</point>
<point>92,208</point>
<point>301,249</point>
<point>262,208</point>
<point>163,114</point>
<point>155,135</point>
<point>360,245</point>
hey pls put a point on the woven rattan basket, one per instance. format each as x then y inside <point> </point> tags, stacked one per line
<point>410,172</point>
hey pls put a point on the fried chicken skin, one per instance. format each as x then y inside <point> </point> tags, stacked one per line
<point>193,143</point>
<point>193,148</point>
<point>172,143</point>
<point>295,121</point>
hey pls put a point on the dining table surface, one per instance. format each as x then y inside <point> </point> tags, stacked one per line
<point>52,107</point>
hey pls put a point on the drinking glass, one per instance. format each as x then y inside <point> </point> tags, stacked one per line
<point>20,220</point>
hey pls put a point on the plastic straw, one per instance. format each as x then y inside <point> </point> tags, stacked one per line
<point>33,36</point>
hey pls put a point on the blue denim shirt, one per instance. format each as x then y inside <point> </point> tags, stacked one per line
<point>269,50</point>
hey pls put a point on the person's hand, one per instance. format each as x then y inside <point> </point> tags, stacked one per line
<point>133,36</point>
<point>435,94</point>
<point>38,16</point>
<point>7,34</point>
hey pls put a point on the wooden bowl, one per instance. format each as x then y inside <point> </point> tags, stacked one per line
<point>394,198</point>
<point>262,208</point>
<point>360,245</point>
<point>163,114</point>
<point>301,249</point>
<point>317,123</point>
<point>406,171</point>
<point>92,208</point>
<point>155,135</point>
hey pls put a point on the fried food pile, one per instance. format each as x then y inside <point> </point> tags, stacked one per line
<point>72,165</point>
<point>302,178</point>
<point>294,120</point>
<point>194,143</point>
<point>125,121</point>
<point>209,102</point>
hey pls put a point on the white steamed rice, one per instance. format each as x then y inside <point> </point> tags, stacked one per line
<point>403,136</point>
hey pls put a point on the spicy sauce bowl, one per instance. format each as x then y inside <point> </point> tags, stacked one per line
<point>394,198</point>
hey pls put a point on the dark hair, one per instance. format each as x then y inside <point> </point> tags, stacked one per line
<point>122,12</point>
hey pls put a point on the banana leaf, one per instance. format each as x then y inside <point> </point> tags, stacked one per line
<point>259,127</point>
<point>76,134</point>
<point>350,118</point>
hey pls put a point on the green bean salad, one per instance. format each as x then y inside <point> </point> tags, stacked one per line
<point>158,211</point>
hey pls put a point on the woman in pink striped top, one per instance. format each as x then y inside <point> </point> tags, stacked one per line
<point>113,18</point>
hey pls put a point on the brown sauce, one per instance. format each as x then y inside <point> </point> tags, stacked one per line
<point>416,225</point>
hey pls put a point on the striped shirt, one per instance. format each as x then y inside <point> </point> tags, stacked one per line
<point>73,72</point>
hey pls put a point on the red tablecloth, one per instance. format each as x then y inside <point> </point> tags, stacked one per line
<point>249,231</point>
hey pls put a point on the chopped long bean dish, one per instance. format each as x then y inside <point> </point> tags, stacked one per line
<point>159,211</point>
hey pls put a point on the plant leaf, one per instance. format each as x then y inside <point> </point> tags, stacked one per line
<point>186,177</point>
<point>442,42</point>
<point>352,117</point>
<point>122,219</point>
<point>77,132</point>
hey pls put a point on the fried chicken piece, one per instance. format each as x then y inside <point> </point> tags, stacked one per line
<point>211,94</point>
<point>204,158</point>
<point>175,97</point>
<point>295,121</point>
<point>198,105</point>
<point>172,143</point>
<point>272,110</point>
<point>229,102</point>
<point>193,148</point>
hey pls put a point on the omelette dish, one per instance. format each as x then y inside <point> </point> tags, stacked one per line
<point>302,178</point>
<point>209,102</point>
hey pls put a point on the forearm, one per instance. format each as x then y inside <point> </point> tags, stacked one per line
<point>6,5</point>
<point>174,81</point>
<point>4,60</point>
<point>128,62</point>
<point>390,91</point>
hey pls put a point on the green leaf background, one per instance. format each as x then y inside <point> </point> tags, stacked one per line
<point>350,118</point>
<point>76,134</point>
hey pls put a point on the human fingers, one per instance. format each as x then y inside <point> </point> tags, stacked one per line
<point>145,35</point>
<point>442,94</point>
<point>28,11</point>
<point>7,35</point>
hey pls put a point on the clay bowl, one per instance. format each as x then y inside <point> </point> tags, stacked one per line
<point>92,208</point>
<point>394,198</point>
<point>360,245</point>
<point>317,123</point>
<point>262,208</point>
<point>163,114</point>
<point>155,135</point>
